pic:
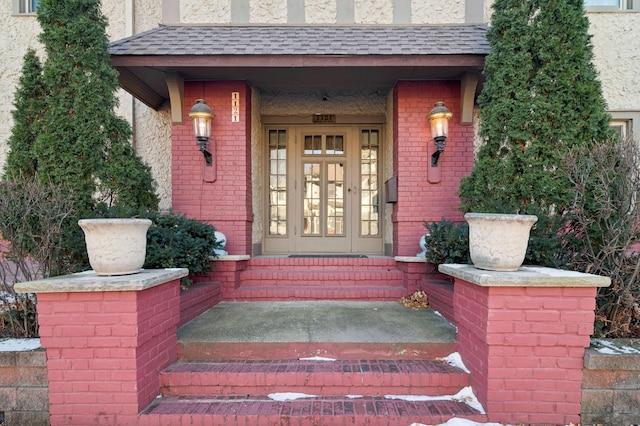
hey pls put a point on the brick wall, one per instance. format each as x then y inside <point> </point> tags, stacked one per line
<point>440,294</point>
<point>611,386</point>
<point>226,202</point>
<point>418,199</point>
<point>202,295</point>
<point>24,397</point>
<point>525,349</point>
<point>105,350</point>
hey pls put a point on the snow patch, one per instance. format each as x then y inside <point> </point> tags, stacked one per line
<point>17,345</point>
<point>461,422</point>
<point>455,360</point>
<point>465,395</point>
<point>317,358</point>
<point>289,396</point>
<point>610,348</point>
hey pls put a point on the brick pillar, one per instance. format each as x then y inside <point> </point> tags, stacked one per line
<point>420,200</point>
<point>107,339</point>
<point>523,336</point>
<point>225,202</point>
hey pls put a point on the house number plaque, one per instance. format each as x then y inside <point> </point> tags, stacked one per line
<point>235,107</point>
<point>324,118</point>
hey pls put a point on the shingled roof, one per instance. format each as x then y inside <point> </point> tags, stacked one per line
<point>290,56</point>
<point>306,40</point>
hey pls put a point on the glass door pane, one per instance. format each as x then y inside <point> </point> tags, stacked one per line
<point>369,189</point>
<point>335,199</point>
<point>277,182</point>
<point>311,199</point>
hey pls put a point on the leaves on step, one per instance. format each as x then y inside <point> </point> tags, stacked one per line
<point>415,301</point>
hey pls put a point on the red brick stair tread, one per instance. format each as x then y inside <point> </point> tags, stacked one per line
<point>199,409</point>
<point>368,377</point>
<point>315,366</point>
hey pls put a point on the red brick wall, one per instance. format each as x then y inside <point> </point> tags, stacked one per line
<point>525,349</point>
<point>225,203</point>
<point>105,351</point>
<point>419,200</point>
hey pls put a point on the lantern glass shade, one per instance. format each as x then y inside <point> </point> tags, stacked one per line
<point>202,127</point>
<point>201,115</point>
<point>439,127</point>
<point>439,118</point>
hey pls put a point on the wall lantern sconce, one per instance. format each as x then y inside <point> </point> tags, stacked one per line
<point>201,115</point>
<point>439,119</point>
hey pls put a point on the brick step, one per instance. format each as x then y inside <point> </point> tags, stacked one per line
<point>285,292</point>
<point>207,351</point>
<point>339,377</point>
<point>303,263</point>
<point>319,277</point>
<point>261,410</point>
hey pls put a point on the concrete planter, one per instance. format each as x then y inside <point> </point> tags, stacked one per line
<point>116,246</point>
<point>498,242</point>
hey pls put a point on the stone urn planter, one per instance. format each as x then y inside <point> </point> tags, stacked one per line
<point>498,242</point>
<point>116,246</point>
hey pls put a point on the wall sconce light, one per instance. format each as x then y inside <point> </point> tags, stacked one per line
<point>201,115</point>
<point>439,119</point>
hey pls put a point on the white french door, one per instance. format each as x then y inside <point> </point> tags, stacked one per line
<point>323,190</point>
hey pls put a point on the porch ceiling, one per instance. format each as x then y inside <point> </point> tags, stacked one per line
<point>295,57</point>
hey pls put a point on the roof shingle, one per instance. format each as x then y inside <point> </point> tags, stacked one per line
<point>306,40</point>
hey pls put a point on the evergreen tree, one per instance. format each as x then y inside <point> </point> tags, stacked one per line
<point>27,117</point>
<point>541,99</point>
<point>83,143</point>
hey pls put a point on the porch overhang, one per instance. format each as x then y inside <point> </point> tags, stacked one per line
<point>154,65</point>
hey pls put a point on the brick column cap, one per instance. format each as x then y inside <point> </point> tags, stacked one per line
<point>89,281</point>
<point>526,276</point>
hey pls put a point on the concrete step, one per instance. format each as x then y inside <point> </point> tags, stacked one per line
<point>318,411</point>
<point>299,329</point>
<point>202,350</point>
<point>312,376</point>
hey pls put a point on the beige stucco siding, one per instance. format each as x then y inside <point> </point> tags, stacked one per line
<point>616,49</point>
<point>321,12</point>
<point>437,12</point>
<point>17,35</point>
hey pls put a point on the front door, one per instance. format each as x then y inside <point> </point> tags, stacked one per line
<point>323,192</point>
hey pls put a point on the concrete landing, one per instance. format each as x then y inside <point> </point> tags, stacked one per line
<point>268,330</point>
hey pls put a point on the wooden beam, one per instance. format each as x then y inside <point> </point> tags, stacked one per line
<point>175,83</point>
<point>139,89</point>
<point>469,84</point>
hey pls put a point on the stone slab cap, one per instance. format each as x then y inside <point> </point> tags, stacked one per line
<point>89,281</point>
<point>613,354</point>
<point>525,276</point>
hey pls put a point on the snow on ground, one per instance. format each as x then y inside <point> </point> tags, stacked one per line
<point>611,348</point>
<point>16,345</point>
<point>461,422</point>
<point>465,395</point>
<point>318,358</point>
<point>455,360</point>
<point>289,396</point>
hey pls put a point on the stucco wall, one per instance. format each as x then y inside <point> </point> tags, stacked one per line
<point>616,48</point>
<point>17,35</point>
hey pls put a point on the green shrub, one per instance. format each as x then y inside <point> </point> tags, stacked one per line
<point>174,241</point>
<point>448,242</point>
